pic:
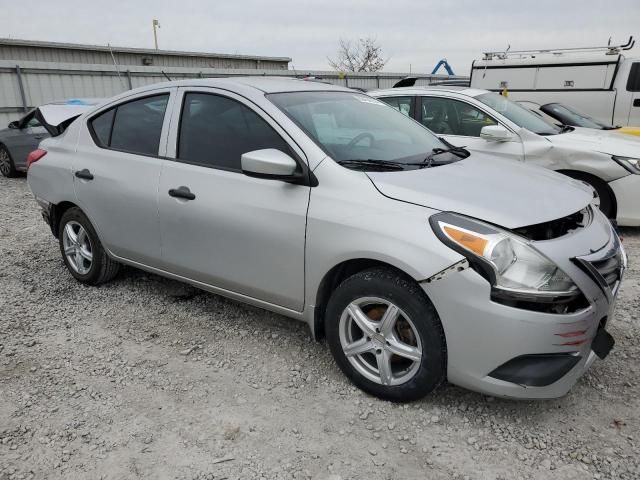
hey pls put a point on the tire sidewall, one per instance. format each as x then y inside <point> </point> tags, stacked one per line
<point>417,306</point>
<point>76,215</point>
<point>12,165</point>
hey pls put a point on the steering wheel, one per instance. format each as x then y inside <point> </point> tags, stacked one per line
<point>360,137</point>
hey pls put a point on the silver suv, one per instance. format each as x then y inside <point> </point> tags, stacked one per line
<point>328,206</point>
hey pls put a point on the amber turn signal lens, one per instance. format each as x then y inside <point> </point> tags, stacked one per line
<point>469,241</point>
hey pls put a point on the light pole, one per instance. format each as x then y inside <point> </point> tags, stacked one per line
<point>156,23</point>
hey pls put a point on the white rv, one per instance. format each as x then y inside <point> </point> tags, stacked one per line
<point>599,81</point>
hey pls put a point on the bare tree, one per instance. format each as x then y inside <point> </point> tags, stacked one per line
<point>365,55</point>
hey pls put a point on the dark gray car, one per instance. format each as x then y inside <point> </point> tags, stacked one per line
<point>17,140</point>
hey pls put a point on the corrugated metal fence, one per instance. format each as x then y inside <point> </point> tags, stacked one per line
<point>28,84</point>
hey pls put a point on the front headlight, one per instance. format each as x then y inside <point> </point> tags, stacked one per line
<point>628,163</point>
<point>505,259</point>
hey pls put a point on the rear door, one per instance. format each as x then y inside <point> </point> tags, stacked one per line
<point>116,172</point>
<point>242,234</point>
<point>460,123</point>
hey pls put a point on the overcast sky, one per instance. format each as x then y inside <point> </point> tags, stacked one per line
<point>416,32</point>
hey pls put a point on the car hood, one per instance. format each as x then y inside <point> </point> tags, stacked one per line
<point>502,192</point>
<point>605,141</point>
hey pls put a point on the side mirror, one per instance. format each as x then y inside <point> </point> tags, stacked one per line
<point>15,124</point>
<point>269,163</point>
<point>496,133</point>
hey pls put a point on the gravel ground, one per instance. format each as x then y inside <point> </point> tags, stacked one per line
<point>149,378</point>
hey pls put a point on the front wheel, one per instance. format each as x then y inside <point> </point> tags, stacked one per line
<point>385,335</point>
<point>82,252</point>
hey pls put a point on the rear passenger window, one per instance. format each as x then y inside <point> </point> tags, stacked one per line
<point>215,131</point>
<point>133,127</point>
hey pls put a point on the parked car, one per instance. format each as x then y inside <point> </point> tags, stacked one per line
<point>325,205</point>
<point>23,136</point>
<point>560,114</point>
<point>488,122</point>
<point>602,81</point>
<point>17,141</point>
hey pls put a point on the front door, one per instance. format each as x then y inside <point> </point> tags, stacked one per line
<point>245,235</point>
<point>460,123</point>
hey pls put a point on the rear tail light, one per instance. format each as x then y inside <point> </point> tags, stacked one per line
<point>35,156</point>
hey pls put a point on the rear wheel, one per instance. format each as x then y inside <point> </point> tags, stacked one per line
<point>82,251</point>
<point>386,336</point>
<point>7,167</point>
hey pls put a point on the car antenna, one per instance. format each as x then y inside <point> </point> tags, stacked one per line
<point>115,64</point>
<point>165,75</point>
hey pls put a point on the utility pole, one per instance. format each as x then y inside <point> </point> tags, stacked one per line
<point>156,23</point>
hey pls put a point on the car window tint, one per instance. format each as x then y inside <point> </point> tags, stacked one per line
<point>633,82</point>
<point>138,124</point>
<point>102,127</point>
<point>445,116</point>
<point>215,131</point>
<point>402,104</point>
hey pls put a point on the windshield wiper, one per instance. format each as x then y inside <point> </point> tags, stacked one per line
<point>382,164</point>
<point>458,151</point>
<point>566,128</point>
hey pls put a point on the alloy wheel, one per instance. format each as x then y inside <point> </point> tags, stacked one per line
<point>380,341</point>
<point>5,162</point>
<point>77,247</point>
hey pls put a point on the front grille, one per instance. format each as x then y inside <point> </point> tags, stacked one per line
<point>610,269</point>
<point>605,268</point>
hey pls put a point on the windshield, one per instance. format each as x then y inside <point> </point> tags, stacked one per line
<point>518,114</point>
<point>351,126</point>
<point>570,116</point>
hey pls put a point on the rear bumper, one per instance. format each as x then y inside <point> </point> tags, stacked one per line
<point>485,339</point>
<point>627,192</point>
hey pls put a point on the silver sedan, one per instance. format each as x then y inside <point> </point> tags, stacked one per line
<point>417,263</point>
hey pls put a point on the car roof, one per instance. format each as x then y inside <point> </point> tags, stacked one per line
<point>470,92</point>
<point>263,84</point>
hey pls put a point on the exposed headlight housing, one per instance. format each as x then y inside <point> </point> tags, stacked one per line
<point>514,268</point>
<point>628,163</point>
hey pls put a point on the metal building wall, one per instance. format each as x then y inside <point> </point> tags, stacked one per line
<point>19,50</point>
<point>24,85</point>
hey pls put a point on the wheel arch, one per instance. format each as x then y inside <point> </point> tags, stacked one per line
<point>334,277</point>
<point>586,176</point>
<point>56,213</point>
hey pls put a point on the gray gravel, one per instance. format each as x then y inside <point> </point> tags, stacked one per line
<point>148,378</point>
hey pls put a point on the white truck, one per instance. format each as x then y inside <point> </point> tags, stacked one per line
<point>599,81</point>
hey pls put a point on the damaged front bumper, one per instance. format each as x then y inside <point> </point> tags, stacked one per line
<point>503,350</point>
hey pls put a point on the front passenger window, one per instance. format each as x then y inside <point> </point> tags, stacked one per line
<point>446,116</point>
<point>215,131</point>
<point>402,104</point>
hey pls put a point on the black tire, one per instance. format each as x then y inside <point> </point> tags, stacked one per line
<point>7,167</point>
<point>102,268</point>
<point>405,293</point>
<point>607,200</point>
